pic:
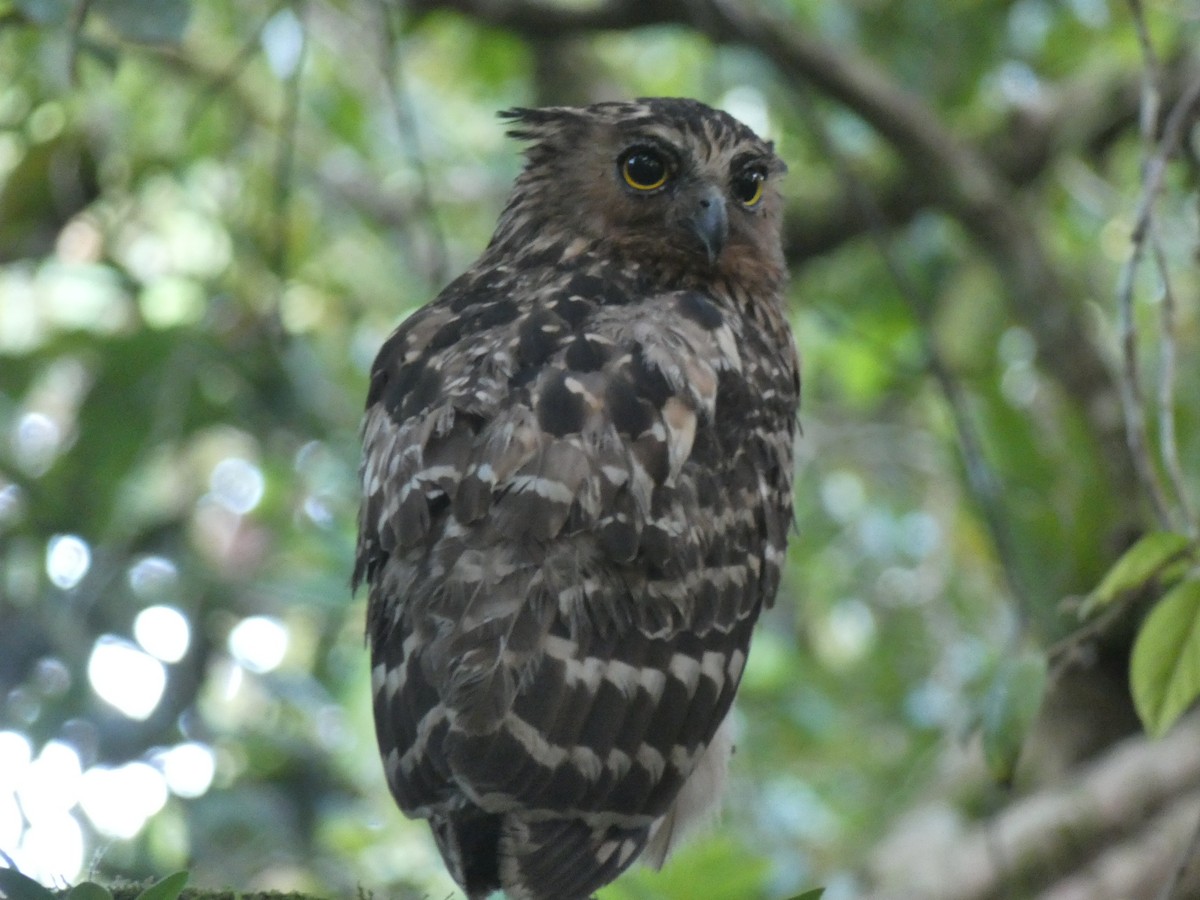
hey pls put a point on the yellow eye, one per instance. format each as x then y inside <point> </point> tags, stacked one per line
<point>748,186</point>
<point>644,169</point>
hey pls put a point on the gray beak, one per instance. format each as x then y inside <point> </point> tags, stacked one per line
<point>710,223</point>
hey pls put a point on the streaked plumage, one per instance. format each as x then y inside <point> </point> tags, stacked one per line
<point>576,494</point>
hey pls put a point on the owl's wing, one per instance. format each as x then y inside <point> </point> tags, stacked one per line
<point>571,520</point>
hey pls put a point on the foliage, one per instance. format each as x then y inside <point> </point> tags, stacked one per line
<point>211,214</point>
<point>17,886</point>
<point>1145,562</point>
<point>1166,658</point>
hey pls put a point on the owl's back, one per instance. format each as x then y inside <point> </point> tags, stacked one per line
<point>577,488</point>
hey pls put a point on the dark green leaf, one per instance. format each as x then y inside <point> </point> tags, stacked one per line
<point>89,890</point>
<point>1011,704</point>
<point>50,184</point>
<point>1137,565</point>
<point>168,889</point>
<point>17,886</point>
<point>814,894</point>
<point>1165,670</point>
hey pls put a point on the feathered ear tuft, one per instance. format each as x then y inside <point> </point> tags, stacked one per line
<point>520,119</point>
<point>543,125</point>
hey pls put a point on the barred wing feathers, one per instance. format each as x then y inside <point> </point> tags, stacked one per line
<point>575,506</point>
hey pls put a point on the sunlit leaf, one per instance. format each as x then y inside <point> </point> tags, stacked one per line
<point>1165,670</point>
<point>1009,709</point>
<point>18,886</point>
<point>1145,560</point>
<point>168,889</point>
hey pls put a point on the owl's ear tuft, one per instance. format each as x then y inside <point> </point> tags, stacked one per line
<point>543,125</point>
<point>519,116</point>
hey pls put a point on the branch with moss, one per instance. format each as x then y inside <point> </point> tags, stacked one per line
<point>1116,829</point>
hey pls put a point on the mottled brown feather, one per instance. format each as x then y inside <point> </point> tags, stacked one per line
<point>576,494</point>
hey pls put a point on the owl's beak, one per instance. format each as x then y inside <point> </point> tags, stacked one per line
<point>710,223</point>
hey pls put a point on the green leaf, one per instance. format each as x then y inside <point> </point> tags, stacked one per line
<point>1165,670</point>
<point>146,21</point>
<point>1139,564</point>
<point>814,894</point>
<point>1009,709</point>
<point>168,889</point>
<point>89,890</point>
<point>18,886</point>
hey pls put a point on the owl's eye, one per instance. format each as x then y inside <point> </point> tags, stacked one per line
<point>747,186</point>
<point>644,169</point>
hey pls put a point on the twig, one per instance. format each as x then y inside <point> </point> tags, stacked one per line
<point>1168,442</point>
<point>241,59</point>
<point>1151,105</point>
<point>981,479</point>
<point>286,157</point>
<point>1131,392</point>
<point>1154,169</point>
<point>1151,74</point>
<point>945,169</point>
<point>78,20</point>
<point>406,127</point>
<point>1169,447</point>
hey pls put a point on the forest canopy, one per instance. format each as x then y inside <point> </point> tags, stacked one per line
<point>212,215</point>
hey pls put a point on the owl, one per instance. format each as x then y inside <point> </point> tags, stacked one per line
<point>577,491</point>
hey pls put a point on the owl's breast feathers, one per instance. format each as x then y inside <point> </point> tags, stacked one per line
<point>576,503</point>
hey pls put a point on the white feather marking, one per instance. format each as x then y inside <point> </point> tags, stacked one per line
<point>627,850</point>
<point>615,474</point>
<point>416,751</point>
<point>737,662</point>
<point>433,473</point>
<point>548,488</point>
<point>713,666</point>
<point>652,761</point>
<point>686,669</point>
<point>681,423</point>
<point>731,358</point>
<point>591,670</point>
<point>396,676</point>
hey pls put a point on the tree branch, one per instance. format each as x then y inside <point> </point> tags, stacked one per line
<point>944,170</point>
<point>540,21</point>
<point>1082,116</point>
<point>982,482</point>
<point>1092,830</point>
<point>959,179</point>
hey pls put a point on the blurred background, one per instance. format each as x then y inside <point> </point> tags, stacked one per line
<point>212,214</point>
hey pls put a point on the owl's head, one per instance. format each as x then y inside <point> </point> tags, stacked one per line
<point>682,191</point>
